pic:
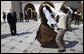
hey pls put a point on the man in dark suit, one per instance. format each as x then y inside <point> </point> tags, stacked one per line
<point>21,17</point>
<point>35,16</point>
<point>28,16</point>
<point>12,19</point>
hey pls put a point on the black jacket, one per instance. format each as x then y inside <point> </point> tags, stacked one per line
<point>12,19</point>
<point>21,15</point>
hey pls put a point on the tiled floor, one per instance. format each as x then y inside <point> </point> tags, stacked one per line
<point>24,41</point>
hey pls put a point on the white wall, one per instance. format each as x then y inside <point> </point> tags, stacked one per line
<point>5,6</point>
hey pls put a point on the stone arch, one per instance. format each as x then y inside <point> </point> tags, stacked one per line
<point>46,2</point>
<point>75,4</point>
<point>31,7</point>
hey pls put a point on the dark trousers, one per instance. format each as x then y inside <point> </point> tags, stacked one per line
<point>4,19</point>
<point>21,19</point>
<point>27,18</point>
<point>13,29</point>
<point>35,19</point>
<point>77,22</point>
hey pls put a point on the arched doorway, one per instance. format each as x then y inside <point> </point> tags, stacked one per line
<point>30,8</point>
<point>75,5</point>
<point>46,2</point>
<point>30,12</point>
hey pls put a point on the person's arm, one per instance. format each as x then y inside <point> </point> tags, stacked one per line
<point>80,14</point>
<point>16,16</point>
<point>48,16</point>
<point>8,18</point>
<point>71,11</point>
<point>60,14</point>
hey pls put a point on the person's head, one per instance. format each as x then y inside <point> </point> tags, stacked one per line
<point>3,11</point>
<point>11,10</point>
<point>79,9</point>
<point>74,10</point>
<point>64,9</point>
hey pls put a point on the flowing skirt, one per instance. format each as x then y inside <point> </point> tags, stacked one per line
<point>46,35</point>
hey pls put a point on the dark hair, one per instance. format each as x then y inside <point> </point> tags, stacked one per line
<point>65,10</point>
<point>41,10</point>
<point>48,8</point>
<point>74,10</point>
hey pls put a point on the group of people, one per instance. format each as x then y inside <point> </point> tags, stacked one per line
<point>12,19</point>
<point>46,34</point>
<point>28,15</point>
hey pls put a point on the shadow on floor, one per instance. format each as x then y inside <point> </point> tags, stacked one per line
<point>18,34</point>
<point>5,35</point>
<point>74,29</point>
<point>69,44</point>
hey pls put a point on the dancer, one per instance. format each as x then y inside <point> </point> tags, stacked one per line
<point>45,34</point>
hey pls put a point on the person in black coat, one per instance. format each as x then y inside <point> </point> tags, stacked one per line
<point>12,19</point>
<point>4,16</point>
<point>35,16</point>
<point>26,16</point>
<point>21,17</point>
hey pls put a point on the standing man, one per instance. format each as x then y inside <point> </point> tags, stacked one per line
<point>33,15</point>
<point>77,16</point>
<point>4,16</point>
<point>36,16</point>
<point>12,19</point>
<point>26,16</point>
<point>21,17</point>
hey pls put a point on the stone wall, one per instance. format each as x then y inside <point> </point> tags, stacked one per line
<point>5,6</point>
<point>16,6</point>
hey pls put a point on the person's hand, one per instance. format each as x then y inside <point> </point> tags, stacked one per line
<point>55,25</point>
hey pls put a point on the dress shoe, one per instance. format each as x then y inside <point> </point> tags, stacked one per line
<point>61,50</point>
